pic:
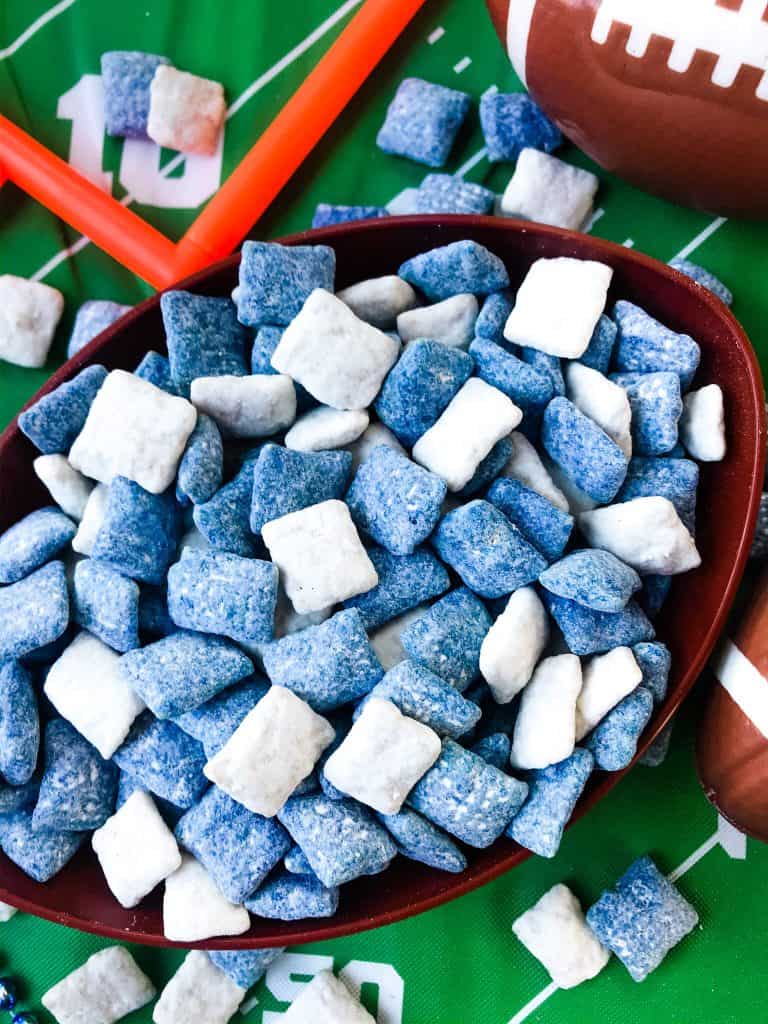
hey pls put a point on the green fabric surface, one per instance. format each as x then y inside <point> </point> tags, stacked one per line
<point>459,964</point>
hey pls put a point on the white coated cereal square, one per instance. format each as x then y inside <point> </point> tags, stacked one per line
<point>68,488</point>
<point>186,112</point>
<point>646,533</point>
<point>604,402</point>
<point>7,912</point>
<point>341,360</point>
<point>194,908</point>
<point>514,644</point>
<point>379,300</point>
<point>255,406</point>
<point>86,687</point>
<point>198,993</point>
<point>607,679</point>
<point>29,313</point>
<point>326,1000</point>
<point>382,757</point>
<point>325,428</point>
<point>273,749</point>
<point>549,191</point>
<point>90,524</point>
<point>133,430</point>
<point>555,931</point>
<point>558,305</point>
<point>451,322</point>
<point>702,425</point>
<point>107,987</point>
<point>320,556</point>
<point>371,438</point>
<point>545,729</point>
<point>386,642</point>
<point>477,417</point>
<point>526,466</point>
<point>136,849</point>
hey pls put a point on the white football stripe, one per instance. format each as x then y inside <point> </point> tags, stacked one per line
<point>518,30</point>
<point>742,681</point>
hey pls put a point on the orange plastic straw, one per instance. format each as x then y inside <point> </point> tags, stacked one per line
<point>79,202</point>
<point>293,134</point>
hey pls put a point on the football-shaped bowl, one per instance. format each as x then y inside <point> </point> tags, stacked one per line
<point>670,94</point>
<point>690,623</point>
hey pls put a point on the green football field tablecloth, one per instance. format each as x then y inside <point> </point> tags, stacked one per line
<point>458,964</point>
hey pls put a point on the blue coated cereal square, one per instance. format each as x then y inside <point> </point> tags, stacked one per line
<point>33,612</point>
<point>422,121</point>
<point>489,468</point>
<point>486,550</point>
<point>447,638</point>
<point>543,524</point>
<point>139,532</point>
<point>655,661</point>
<point>92,317</point>
<point>217,592</point>
<point>237,847</point>
<point>644,345</point>
<point>547,365</point>
<point>127,76</point>
<point>455,269</point>
<point>493,316</point>
<point>183,671</point>
<point>106,604</point>
<point>78,788</point>
<point>655,592</point>
<point>584,452</point>
<point>165,760</point>
<point>213,722</point>
<point>428,699</point>
<point>41,853</point>
<point>587,631</point>
<point>512,122</point>
<point>327,214</point>
<point>244,966</point>
<point>420,386</point>
<point>703,277</point>
<point>18,798</point>
<point>296,861</point>
<point>394,501</point>
<point>447,193</point>
<point>552,796</point>
<point>593,578</point>
<point>495,749</point>
<point>32,542</point>
<point>405,581</point>
<point>675,479</point>
<point>55,420</point>
<point>127,785</point>
<point>656,406</point>
<point>290,897</point>
<point>642,918</point>
<point>19,724</point>
<point>656,754</point>
<point>202,465</point>
<point>600,349</point>
<point>156,369</point>
<point>419,840</point>
<point>224,520</point>
<point>326,665</point>
<point>275,280</point>
<point>341,839</point>
<point>614,740</point>
<point>154,619</point>
<point>204,337</point>
<point>465,795</point>
<point>530,390</point>
<point>286,481</point>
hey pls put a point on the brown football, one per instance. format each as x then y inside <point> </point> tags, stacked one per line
<point>670,94</point>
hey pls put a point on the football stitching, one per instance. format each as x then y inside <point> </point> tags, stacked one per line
<point>738,38</point>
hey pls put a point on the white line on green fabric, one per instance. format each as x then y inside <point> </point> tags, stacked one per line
<point>462,65</point>
<point>436,34</point>
<point>596,215</point>
<point>628,243</point>
<point>255,86</point>
<point>473,161</point>
<point>694,243</point>
<point>534,1004</point>
<point>34,28</point>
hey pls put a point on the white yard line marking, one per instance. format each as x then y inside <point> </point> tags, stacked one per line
<point>34,28</point>
<point>628,243</point>
<point>725,836</point>
<point>436,34</point>
<point>596,215</point>
<point>473,161</point>
<point>694,243</point>
<point>462,65</point>
<point>247,94</point>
